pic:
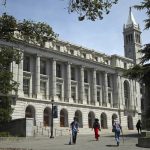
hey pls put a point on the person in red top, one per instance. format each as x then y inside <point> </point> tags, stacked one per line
<point>96,127</point>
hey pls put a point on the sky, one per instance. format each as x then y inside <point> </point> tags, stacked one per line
<point>104,36</point>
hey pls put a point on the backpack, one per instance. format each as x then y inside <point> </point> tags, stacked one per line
<point>74,126</point>
<point>116,127</point>
<point>96,125</point>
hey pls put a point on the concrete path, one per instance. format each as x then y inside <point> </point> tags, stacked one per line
<point>84,142</point>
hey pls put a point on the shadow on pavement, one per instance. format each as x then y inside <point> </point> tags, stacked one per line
<point>111,145</point>
<point>126,135</point>
<point>93,140</point>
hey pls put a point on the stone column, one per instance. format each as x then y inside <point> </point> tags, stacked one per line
<point>38,77</point>
<point>94,97</point>
<point>69,82</point>
<point>81,85</point>
<point>53,79</point>
<point>116,91</point>
<point>105,89</point>
<point>131,99</point>
<point>20,78</point>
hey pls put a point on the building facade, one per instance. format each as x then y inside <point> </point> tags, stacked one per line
<point>78,81</point>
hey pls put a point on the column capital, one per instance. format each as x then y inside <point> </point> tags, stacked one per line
<point>68,63</point>
<point>81,66</point>
<point>38,55</point>
<point>53,59</point>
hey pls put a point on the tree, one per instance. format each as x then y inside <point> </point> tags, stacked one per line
<point>12,30</point>
<point>91,9</point>
<point>7,84</point>
<point>88,9</point>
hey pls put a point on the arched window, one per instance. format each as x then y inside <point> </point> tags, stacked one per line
<point>63,118</point>
<point>78,115</point>
<point>126,94</point>
<point>91,117</point>
<point>103,121</point>
<point>46,116</point>
<point>30,113</point>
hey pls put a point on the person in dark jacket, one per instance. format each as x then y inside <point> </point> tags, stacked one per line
<point>96,127</point>
<point>74,128</point>
<point>139,126</point>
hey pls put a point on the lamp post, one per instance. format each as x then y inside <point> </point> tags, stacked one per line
<point>52,120</point>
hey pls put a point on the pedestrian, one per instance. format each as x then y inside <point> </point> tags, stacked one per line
<point>96,127</point>
<point>74,128</point>
<point>117,129</point>
<point>139,126</point>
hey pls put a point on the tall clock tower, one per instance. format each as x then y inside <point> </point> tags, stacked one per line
<point>132,39</point>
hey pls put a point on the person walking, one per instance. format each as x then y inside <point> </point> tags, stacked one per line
<point>117,129</point>
<point>74,128</point>
<point>139,126</point>
<point>96,127</point>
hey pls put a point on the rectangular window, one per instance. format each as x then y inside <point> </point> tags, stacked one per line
<point>26,63</point>
<point>58,47</point>
<point>72,73</point>
<point>125,65</point>
<point>43,67</point>
<point>86,94</point>
<point>26,87</point>
<point>43,89</point>
<point>97,78</point>
<point>85,76</point>
<point>73,93</point>
<point>108,81</point>
<point>58,91</point>
<point>98,96</point>
<point>109,98</point>
<point>58,70</point>
<point>72,51</point>
<point>84,55</point>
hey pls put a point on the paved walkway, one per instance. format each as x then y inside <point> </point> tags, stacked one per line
<point>84,142</point>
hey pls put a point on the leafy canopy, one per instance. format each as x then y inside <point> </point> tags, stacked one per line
<point>90,9</point>
<point>29,31</point>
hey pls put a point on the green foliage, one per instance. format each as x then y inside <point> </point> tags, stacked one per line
<point>7,56</point>
<point>29,31</point>
<point>7,84</point>
<point>91,9</point>
<point>4,134</point>
<point>141,71</point>
<point>10,29</point>
<point>7,26</point>
<point>145,5</point>
<point>5,109</point>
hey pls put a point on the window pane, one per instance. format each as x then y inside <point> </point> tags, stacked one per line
<point>86,76</point>
<point>26,85</point>
<point>109,98</point>
<point>43,67</point>
<point>73,93</point>
<point>43,89</point>
<point>26,63</point>
<point>58,90</point>
<point>72,73</point>
<point>58,70</point>
<point>97,79</point>
<point>98,96</point>
<point>109,81</point>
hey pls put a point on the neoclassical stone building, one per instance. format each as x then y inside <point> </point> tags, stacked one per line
<point>81,82</point>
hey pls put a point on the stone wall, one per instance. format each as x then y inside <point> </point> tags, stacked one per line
<point>19,127</point>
